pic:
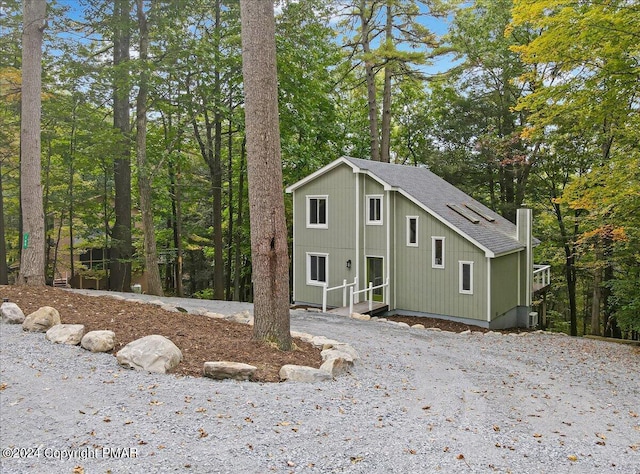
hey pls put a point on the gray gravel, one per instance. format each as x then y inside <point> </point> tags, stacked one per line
<point>418,401</point>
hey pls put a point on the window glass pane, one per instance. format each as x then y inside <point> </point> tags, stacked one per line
<point>322,270</point>
<point>314,267</point>
<point>466,277</point>
<point>322,211</point>
<point>412,230</point>
<point>378,202</point>
<point>438,252</point>
<point>313,211</point>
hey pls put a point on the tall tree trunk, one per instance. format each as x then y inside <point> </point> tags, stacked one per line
<point>154,284</point>
<point>365,19</point>
<point>4,269</point>
<point>216,168</point>
<point>597,292</point>
<point>230,201</point>
<point>176,225</point>
<point>385,141</point>
<point>70,189</point>
<point>570,271</point>
<point>32,259</point>
<point>237,263</point>
<point>121,248</point>
<point>269,251</point>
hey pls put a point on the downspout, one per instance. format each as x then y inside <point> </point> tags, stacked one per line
<point>293,246</point>
<point>357,247</point>
<point>395,251</point>
<point>388,259</point>
<point>489,291</point>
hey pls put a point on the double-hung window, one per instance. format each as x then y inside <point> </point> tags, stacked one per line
<point>317,268</point>
<point>437,252</point>
<point>412,231</point>
<point>317,212</point>
<point>466,277</point>
<point>374,209</point>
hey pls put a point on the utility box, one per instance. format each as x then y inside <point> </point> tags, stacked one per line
<point>137,288</point>
<point>533,319</point>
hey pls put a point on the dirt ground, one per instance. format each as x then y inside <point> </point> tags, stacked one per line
<point>200,339</point>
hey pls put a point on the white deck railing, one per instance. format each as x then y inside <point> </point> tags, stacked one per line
<point>344,287</point>
<point>369,289</point>
<point>541,275</point>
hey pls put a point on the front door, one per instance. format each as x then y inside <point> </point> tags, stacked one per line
<point>375,276</point>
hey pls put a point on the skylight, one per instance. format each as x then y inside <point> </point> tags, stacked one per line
<point>477,210</point>
<point>464,213</point>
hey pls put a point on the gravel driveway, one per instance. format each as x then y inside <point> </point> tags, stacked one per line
<point>417,401</point>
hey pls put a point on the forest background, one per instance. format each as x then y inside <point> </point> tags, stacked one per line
<point>143,120</point>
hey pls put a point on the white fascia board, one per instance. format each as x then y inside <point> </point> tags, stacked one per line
<point>509,252</point>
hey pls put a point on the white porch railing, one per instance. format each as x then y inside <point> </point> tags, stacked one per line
<point>369,289</point>
<point>541,276</point>
<point>344,287</point>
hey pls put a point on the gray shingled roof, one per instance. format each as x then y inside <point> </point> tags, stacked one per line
<point>434,194</point>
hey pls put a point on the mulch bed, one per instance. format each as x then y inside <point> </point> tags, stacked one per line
<point>200,338</point>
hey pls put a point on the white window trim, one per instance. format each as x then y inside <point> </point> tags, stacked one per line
<point>433,252</point>
<point>326,211</point>
<point>370,197</point>
<point>409,243</point>
<point>461,264</point>
<point>308,269</point>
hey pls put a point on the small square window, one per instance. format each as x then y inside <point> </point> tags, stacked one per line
<point>317,269</point>
<point>412,231</point>
<point>317,212</point>
<point>374,210</point>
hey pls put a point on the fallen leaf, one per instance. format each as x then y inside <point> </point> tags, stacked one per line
<point>537,435</point>
<point>107,419</point>
<point>203,433</point>
<point>3,386</point>
<point>356,459</point>
<point>78,470</point>
<point>496,428</point>
<point>460,456</point>
<point>572,457</point>
<point>601,436</point>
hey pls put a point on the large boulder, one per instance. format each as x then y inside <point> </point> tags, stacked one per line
<point>11,313</point>
<point>99,341</point>
<point>229,370</point>
<point>301,373</point>
<point>341,364</point>
<point>66,334</point>
<point>154,353</point>
<point>41,320</point>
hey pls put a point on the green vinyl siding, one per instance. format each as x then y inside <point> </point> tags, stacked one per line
<point>421,288</point>
<point>337,240</point>
<point>504,284</point>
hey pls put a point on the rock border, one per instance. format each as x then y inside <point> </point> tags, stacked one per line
<point>338,358</point>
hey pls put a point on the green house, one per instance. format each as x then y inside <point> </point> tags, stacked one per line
<point>402,239</point>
